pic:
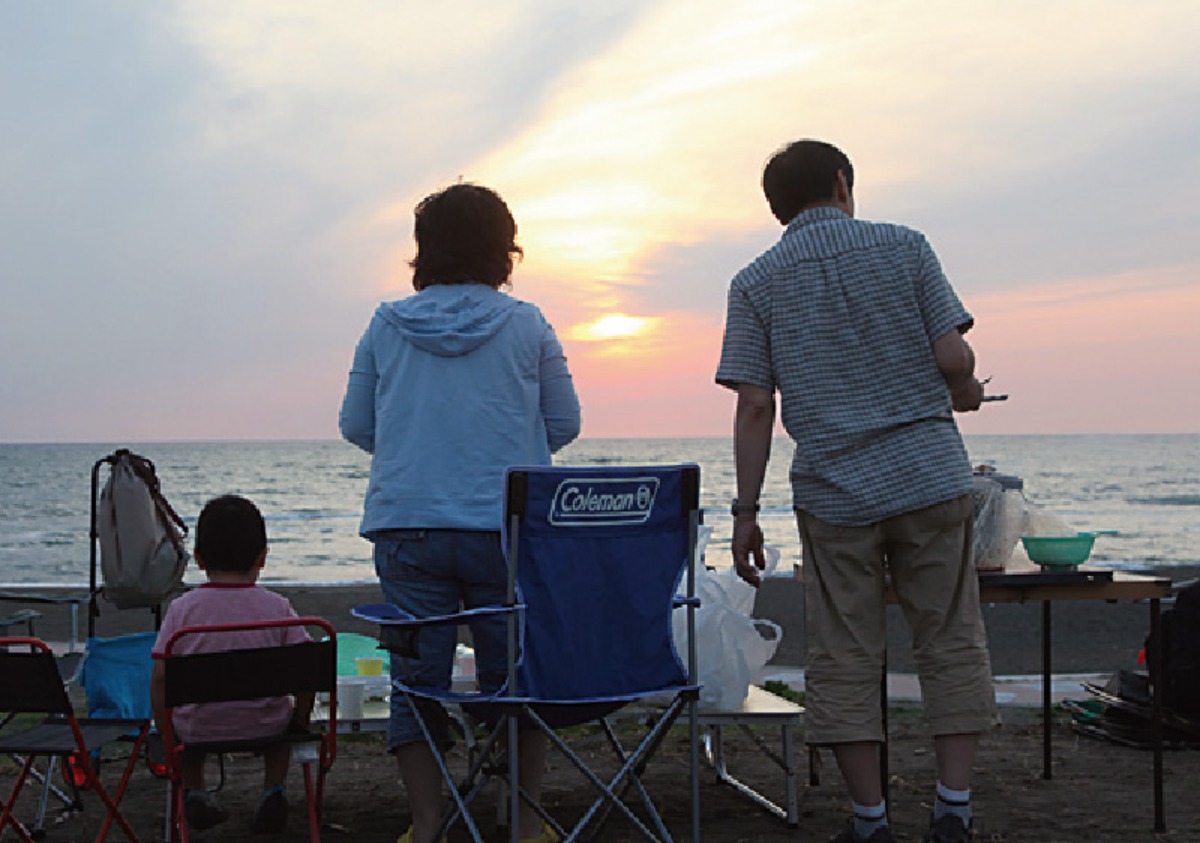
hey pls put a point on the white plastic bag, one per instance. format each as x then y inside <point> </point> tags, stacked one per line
<point>999,521</point>
<point>730,645</point>
<point>738,592</point>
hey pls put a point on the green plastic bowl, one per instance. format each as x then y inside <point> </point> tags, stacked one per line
<point>1062,551</point>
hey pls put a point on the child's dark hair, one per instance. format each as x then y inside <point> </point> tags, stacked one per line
<point>230,534</point>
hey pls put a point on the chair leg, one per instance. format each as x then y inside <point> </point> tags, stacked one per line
<point>111,802</point>
<point>46,780</point>
<point>607,795</point>
<point>460,803</point>
<point>637,760</point>
<point>177,818</point>
<point>168,828</point>
<point>514,783</point>
<point>694,764</point>
<point>314,816</point>
<point>7,817</point>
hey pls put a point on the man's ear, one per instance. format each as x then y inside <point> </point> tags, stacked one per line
<point>199,561</point>
<point>843,196</point>
<point>841,188</point>
<point>262,558</point>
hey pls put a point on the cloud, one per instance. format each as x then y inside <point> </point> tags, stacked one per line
<point>1109,353</point>
<point>199,193</point>
<point>207,198</point>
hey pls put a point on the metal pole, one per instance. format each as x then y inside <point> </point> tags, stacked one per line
<point>1155,663</point>
<point>1046,696</point>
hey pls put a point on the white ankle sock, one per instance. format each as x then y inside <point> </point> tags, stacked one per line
<point>868,818</point>
<point>956,802</point>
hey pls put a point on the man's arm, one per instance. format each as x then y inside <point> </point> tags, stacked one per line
<point>753,426</point>
<point>956,361</point>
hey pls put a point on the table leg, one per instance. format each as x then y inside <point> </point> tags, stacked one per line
<point>884,774</point>
<point>1046,689</point>
<point>1154,662</point>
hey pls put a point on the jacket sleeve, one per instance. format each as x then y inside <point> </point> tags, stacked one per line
<point>559,403</point>
<point>357,419</point>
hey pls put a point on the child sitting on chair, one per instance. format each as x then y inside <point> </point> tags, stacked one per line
<point>231,547</point>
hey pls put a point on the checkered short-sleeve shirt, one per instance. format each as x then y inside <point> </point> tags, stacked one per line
<point>840,317</point>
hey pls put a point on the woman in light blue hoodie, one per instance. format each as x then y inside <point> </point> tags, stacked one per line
<point>448,388</point>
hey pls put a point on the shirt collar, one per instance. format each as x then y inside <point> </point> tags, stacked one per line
<point>815,215</point>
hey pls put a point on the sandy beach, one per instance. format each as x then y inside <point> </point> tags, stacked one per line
<point>1099,790</point>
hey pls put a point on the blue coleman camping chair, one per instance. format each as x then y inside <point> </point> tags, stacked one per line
<point>597,558</point>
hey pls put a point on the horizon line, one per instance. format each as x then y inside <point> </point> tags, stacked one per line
<point>689,436</point>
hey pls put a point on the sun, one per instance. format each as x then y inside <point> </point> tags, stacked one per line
<point>612,326</point>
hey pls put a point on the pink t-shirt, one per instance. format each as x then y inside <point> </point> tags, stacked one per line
<point>223,603</point>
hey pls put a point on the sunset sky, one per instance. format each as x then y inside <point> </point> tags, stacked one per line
<point>203,202</point>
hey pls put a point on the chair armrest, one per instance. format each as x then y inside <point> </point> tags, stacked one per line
<point>30,597</point>
<point>386,614</point>
<point>400,631</point>
<point>679,600</point>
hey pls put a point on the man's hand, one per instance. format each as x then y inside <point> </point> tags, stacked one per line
<point>967,396</point>
<point>748,558</point>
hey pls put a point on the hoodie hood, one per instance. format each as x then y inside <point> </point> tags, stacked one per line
<point>450,319</point>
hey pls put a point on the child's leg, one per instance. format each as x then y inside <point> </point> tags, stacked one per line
<point>270,815</point>
<point>200,807</point>
<point>275,765</point>
<point>191,769</point>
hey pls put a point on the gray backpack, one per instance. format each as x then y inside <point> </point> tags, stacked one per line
<point>142,554</point>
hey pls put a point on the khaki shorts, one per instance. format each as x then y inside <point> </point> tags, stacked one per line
<point>928,556</point>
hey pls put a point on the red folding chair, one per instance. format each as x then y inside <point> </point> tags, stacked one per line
<point>248,674</point>
<point>30,683</point>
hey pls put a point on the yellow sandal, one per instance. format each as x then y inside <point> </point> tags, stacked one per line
<point>548,835</point>
<point>407,837</point>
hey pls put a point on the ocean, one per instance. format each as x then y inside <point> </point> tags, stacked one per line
<point>1145,486</point>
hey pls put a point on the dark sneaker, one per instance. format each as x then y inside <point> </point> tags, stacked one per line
<point>202,810</point>
<point>948,829</point>
<point>881,835</point>
<point>270,817</point>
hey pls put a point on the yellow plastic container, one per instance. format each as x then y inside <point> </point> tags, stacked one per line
<point>369,665</point>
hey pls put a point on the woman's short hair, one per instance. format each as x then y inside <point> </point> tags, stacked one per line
<point>230,534</point>
<point>465,235</point>
<point>801,174</point>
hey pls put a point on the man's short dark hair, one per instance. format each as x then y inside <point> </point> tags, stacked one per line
<point>465,235</point>
<point>801,174</point>
<point>230,534</point>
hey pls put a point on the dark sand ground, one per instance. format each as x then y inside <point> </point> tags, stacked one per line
<point>1099,791</point>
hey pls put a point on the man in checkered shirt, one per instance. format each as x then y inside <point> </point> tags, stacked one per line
<point>860,332</point>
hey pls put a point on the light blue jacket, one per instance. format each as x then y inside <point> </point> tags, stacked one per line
<point>448,388</point>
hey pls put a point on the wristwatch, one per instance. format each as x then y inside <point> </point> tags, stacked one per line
<point>743,508</point>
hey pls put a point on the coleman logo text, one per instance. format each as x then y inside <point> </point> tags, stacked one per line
<point>603,501</point>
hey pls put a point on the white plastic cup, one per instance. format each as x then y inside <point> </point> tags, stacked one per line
<point>463,678</point>
<point>351,696</point>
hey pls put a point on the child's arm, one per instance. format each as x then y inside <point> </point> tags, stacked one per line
<point>158,687</point>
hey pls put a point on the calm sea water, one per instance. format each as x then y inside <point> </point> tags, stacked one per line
<point>1148,487</point>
